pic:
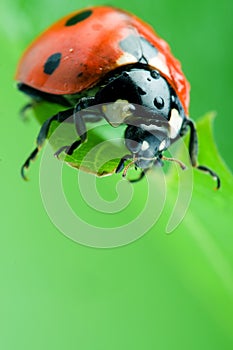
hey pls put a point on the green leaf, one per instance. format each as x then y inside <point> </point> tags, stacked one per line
<point>99,155</point>
<point>200,192</point>
<point>209,152</point>
<point>207,155</point>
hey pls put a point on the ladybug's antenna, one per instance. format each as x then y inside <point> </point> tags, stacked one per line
<point>181,164</point>
<point>128,166</point>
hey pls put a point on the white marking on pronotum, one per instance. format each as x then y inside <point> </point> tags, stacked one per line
<point>162,145</point>
<point>160,63</point>
<point>153,127</point>
<point>145,145</point>
<point>126,58</point>
<point>175,123</point>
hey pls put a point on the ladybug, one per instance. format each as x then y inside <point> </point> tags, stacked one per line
<point>100,55</point>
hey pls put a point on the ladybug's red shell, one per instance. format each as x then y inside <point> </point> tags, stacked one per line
<point>76,52</point>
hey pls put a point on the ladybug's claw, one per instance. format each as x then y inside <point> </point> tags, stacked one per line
<point>60,150</point>
<point>142,174</point>
<point>27,163</point>
<point>69,150</point>
<point>212,173</point>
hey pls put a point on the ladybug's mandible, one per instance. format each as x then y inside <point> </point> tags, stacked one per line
<point>103,54</point>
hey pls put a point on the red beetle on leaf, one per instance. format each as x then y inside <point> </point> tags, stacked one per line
<point>103,54</point>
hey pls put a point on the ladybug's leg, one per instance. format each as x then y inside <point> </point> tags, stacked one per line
<point>80,125</point>
<point>59,117</point>
<point>121,164</point>
<point>193,151</point>
<point>24,109</point>
<point>141,176</point>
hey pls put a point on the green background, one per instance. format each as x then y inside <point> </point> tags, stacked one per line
<point>160,292</point>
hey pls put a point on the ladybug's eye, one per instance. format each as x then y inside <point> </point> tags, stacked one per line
<point>159,102</point>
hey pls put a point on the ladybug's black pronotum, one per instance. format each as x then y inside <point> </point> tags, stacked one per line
<point>100,55</point>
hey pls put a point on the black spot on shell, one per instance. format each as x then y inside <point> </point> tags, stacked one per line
<point>52,63</point>
<point>79,17</point>
<point>79,74</point>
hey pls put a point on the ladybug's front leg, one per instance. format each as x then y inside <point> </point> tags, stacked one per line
<point>61,117</point>
<point>121,166</point>
<point>193,151</point>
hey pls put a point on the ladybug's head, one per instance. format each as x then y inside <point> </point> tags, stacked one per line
<point>156,120</point>
<point>145,147</point>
